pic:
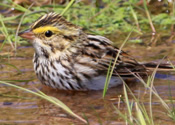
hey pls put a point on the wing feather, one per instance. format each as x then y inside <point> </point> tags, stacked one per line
<point>102,51</point>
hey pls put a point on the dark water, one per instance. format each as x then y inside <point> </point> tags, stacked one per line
<point>19,107</point>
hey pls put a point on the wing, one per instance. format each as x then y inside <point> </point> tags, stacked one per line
<point>102,53</point>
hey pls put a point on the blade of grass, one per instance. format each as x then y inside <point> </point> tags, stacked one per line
<point>153,89</point>
<point>135,18</point>
<point>19,25</point>
<point>11,65</point>
<point>140,115</point>
<point>48,98</point>
<point>10,18</point>
<point>18,80</point>
<point>107,80</point>
<point>149,17</point>
<point>15,96</point>
<point>17,6</point>
<point>172,115</point>
<point>5,33</point>
<point>67,7</point>
<point>137,101</point>
<point>142,108</point>
<point>129,107</point>
<point>108,77</point>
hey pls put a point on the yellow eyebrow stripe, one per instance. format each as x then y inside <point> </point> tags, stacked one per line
<point>44,29</point>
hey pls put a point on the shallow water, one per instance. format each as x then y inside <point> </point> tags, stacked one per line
<point>22,108</point>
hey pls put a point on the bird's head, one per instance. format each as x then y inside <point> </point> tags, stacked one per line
<point>51,34</point>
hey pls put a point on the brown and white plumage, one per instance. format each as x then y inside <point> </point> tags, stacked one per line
<point>67,58</point>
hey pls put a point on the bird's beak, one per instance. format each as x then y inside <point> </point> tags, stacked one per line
<point>27,34</point>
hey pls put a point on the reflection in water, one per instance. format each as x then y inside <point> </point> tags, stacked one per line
<point>165,76</point>
<point>19,107</point>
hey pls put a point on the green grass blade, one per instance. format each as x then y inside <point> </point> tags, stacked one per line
<point>11,65</point>
<point>108,77</point>
<point>5,33</point>
<point>17,6</point>
<point>140,115</point>
<point>48,98</point>
<point>129,107</point>
<point>67,7</point>
<point>107,80</point>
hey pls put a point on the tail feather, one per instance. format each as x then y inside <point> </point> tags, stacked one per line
<point>151,66</point>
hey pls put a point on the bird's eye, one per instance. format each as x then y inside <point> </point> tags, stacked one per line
<point>48,33</point>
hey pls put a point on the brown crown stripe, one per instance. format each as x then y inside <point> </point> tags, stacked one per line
<point>51,19</point>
